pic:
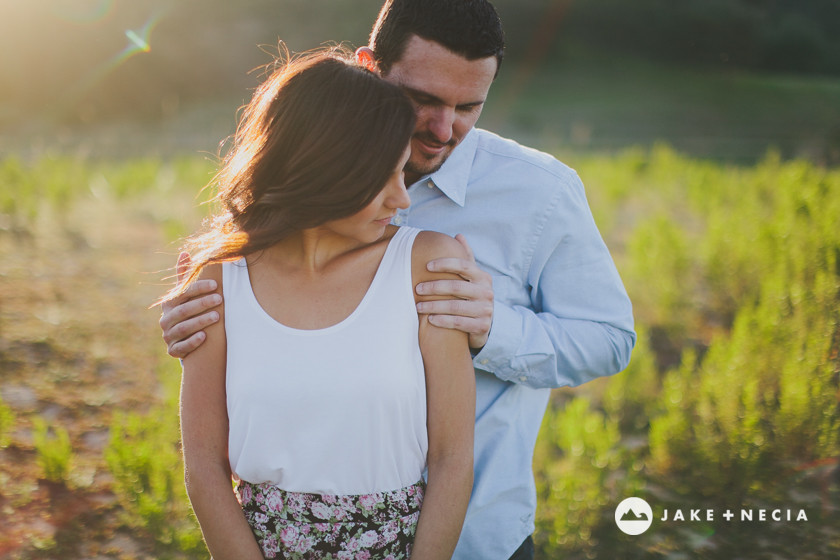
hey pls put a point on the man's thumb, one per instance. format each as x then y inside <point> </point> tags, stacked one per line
<point>183,265</point>
<point>463,241</point>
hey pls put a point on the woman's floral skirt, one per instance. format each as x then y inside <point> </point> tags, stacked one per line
<point>296,525</point>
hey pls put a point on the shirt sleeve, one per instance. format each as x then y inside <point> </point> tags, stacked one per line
<point>579,324</point>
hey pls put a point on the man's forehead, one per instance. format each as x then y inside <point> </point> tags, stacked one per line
<point>429,68</point>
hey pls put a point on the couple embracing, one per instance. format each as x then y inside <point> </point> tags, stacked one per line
<point>374,386</point>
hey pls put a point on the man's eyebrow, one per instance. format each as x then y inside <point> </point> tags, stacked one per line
<point>418,93</point>
<point>421,94</point>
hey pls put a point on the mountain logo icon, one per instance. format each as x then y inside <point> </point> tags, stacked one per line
<point>633,516</point>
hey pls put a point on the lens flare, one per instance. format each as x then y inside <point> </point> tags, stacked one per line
<point>138,41</point>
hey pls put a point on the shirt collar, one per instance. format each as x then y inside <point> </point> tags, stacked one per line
<point>454,174</point>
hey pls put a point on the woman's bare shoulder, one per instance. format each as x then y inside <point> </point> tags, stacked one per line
<point>211,351</point>
<point>211,272</point>
<point>429,246</point>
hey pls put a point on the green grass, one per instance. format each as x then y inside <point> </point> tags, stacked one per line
<point>730,399</point>
<point>55,453</point>
<point>7,422</point>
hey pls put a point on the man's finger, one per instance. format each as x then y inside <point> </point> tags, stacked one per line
<point>456,288</point>
<point>454,307</point>
<point>194,307</point>
<point>457,322</point>
<point>187,310</point>
<point>194,290</point>
<point>462,267</point>
<point>463,241</point>
<point>477,329</point>
<point>183,265</point>
<point>199,288</point>
<point>184,347</point>
<point>182,330</point>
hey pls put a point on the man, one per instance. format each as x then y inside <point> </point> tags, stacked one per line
<point>544,306</point>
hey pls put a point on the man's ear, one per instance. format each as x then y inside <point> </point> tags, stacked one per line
<point>364,56</point>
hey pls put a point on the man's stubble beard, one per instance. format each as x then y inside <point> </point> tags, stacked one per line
<point>421,170</point>
<point>427,166</point>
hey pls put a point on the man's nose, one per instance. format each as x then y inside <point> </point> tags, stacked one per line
<point>440,123</point>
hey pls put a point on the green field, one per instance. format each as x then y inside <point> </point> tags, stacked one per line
<point>716,188</point>
<point>731,400</point>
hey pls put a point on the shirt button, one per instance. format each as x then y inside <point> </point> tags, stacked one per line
<point>398,220</point>
<point>485,361</point>
<point>523,378</point>
<point>430,184</point>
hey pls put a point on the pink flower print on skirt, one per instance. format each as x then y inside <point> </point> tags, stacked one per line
<point>302,526</point>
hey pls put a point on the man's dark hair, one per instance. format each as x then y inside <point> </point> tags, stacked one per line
<point>470,28</point>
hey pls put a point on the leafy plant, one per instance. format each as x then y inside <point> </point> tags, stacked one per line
<point>55,453</point>
<point>7,422</point>
<point>736,271</point>
<point>581,469</point>
<point>144,458</point>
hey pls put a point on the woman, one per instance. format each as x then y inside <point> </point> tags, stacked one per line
<point>321,391</point>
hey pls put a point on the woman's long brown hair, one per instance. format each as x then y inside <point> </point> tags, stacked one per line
<point>317,142</point>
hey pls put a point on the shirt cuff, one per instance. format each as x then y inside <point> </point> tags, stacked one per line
<point>502,344</point>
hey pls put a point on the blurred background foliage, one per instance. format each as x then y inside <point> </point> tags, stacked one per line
<point>733,392</point>
<point>706,132</point>
<point>719,78</point>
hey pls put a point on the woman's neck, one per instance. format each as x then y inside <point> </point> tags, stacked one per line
<point>312,250</point>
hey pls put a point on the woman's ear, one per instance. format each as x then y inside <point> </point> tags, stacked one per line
<point>364,56</point>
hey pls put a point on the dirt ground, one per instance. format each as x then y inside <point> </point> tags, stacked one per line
<point>77,344</point>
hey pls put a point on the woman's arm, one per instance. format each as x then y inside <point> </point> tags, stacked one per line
<point>450,398</point>
<point>204,436</point>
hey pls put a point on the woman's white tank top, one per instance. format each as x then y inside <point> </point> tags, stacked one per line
<point>338,410</point>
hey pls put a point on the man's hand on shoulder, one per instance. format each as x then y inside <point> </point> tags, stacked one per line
<point>463,302</point>
<point>185,316</point>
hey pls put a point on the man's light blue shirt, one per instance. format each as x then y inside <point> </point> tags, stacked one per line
<point>561,315</point>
